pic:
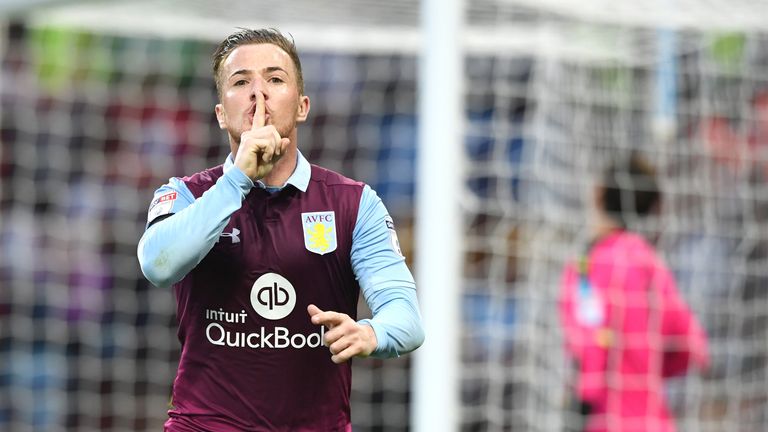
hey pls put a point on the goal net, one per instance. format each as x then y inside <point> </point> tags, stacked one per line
<point>103,101</point>
<point>680,82</point>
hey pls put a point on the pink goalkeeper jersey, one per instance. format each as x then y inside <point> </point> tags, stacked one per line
<point>627,327</point>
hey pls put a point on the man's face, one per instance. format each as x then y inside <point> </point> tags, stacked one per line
<point>261,68</point>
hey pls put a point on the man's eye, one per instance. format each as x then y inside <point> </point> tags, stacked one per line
<point>240,82</point>
<point>275,79</point>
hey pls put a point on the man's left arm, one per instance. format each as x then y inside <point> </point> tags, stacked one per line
<point>388,288</point>
<point>386,282</point>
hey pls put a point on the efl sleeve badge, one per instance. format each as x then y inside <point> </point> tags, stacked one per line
<point>393,235</point>
<point>161,205</point>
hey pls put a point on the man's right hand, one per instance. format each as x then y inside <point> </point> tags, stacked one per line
<point>261,146</point>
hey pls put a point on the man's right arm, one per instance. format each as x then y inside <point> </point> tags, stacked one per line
<point>171,247</point>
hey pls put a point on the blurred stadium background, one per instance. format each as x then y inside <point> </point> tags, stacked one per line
<point>102,101</point>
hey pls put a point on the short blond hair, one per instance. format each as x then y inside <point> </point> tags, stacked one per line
<point>256,36</point>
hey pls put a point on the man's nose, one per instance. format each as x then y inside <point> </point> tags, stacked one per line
<point>258,86</point>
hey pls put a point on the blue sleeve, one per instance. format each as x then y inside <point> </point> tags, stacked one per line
<point>385,280</point>
<point>172,247</point>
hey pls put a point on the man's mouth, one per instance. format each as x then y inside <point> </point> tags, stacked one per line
<point>252,113</point>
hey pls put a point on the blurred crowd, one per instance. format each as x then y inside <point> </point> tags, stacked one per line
<point>91,123</point>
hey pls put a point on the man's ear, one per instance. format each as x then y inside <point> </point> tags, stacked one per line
<point>303,111</point>
<point>221,116</point>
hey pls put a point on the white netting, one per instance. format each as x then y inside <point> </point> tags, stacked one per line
<point>92,123</point>
<point>98,110</point>
<point>542,123</point>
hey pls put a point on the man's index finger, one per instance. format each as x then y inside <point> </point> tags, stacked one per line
<point>259,116</point>
<point>328,318</point>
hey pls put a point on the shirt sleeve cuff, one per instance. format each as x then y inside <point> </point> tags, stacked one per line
<point>382,340</point>
<point>239,179</point>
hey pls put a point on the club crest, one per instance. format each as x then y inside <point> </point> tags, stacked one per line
<point>319,231</point>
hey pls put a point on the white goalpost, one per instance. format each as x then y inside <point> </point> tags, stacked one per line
<point>439,188</point>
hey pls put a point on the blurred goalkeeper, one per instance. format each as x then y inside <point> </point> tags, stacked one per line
<point>267,255</point>
<point>626,327</point>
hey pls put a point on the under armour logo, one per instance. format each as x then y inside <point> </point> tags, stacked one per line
<point>233,235</point>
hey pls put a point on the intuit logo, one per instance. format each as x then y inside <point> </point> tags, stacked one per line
<point>273,297</point>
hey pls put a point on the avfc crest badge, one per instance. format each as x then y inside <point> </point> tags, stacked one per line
<point>319,231</point>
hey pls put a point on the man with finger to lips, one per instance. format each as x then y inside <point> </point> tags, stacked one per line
<point>267,255</point>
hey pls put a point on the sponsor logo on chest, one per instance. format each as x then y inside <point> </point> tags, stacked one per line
<point>319,231</point>
<point>273,297</point>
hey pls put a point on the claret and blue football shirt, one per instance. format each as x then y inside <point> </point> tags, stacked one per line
<point>245,261</point>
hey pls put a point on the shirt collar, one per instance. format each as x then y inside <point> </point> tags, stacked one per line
<point>299,178</point>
